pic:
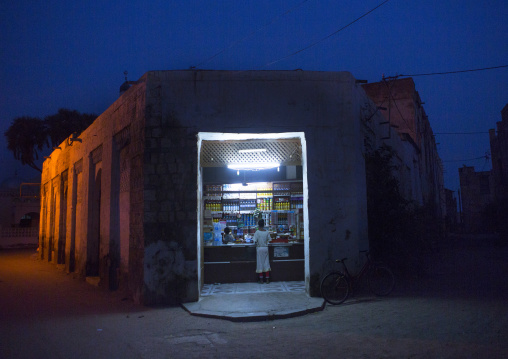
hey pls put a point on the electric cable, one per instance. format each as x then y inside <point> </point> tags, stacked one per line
<point>462,133</point>
<point>486,157</point>
<point>485,163</point>
<point>234,43</point>
<point>396,106</point>
<point>326,37</point>
<point>455,72</point>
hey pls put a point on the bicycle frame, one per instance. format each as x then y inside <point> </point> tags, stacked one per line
<point>336,286</point>
<point>361,272</point>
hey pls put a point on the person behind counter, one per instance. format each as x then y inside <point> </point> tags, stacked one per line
<point>228,238</point>
<point>261,238</point>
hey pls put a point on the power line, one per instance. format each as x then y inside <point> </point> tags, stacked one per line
<point>461,133</point>
<point>252,33</point>
<point>486,157</point>
<point>456,72</point>
<point>326,37</point>
<point>396,106</point>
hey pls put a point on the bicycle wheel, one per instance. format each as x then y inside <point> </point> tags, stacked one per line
<point>381,280</point>
<point>335,288</point>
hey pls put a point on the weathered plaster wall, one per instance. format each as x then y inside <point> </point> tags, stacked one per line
<point>81,163</point>
<point>421,172</point>
<point>182,103</point>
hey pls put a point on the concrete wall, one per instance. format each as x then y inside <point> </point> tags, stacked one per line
<point>84,216</point>
<point>180,104</point>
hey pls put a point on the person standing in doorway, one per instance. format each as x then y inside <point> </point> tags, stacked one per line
<point>261,238</point>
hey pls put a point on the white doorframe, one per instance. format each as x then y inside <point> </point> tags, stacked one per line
<point>218,136</point>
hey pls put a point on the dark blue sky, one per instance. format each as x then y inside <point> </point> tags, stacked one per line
<point>72,54</point>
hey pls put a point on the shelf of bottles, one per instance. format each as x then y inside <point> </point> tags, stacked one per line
<point>229,198</point>
<point>235,203</point>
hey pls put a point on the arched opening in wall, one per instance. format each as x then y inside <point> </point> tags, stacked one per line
<point>52,222</point>
<point>124,207</point>
<point>76,210</point>
<point>242,178</point>
<point>120,213</point>
<point>62,232</point>
<point>43,241</point>
<point>93,243</point>
<point>72,239</point>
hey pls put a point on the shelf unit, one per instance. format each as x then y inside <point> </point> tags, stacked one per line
<point>280,203</point>
<point>274,196</point>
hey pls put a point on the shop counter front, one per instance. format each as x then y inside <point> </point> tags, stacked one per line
<point>236,263</point>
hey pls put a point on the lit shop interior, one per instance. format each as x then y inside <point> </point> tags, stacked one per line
<point>241,182</point>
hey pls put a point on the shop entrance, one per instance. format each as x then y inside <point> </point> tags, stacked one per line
<point>241,178</point>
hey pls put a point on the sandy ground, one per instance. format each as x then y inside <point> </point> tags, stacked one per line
<point>459,310</point>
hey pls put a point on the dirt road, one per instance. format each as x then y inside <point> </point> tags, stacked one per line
<point>458,310</point>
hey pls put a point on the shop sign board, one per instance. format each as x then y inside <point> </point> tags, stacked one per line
<point>281,252</point>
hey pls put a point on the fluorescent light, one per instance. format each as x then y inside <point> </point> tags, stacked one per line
<point>253,166</point>
<point>252,150</point>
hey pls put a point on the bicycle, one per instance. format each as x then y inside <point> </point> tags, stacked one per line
<point>336,286</point>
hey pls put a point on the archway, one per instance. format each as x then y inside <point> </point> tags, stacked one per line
<point>93,243</point>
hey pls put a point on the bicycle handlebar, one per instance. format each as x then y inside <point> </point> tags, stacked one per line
<point>345,258</point>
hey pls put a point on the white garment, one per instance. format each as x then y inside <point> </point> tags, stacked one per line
<point>261,238</point>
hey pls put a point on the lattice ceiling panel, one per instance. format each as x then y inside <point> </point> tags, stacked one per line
<point>287,152</point>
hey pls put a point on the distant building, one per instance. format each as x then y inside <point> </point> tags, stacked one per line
<point>499,153</point>
<point>484,194</point>
<point>451,214</point>
<point>420,169</point>
<point>476,193</point>
<point>19,212</point>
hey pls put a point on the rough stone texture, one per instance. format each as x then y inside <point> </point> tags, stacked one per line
<point>82,161</point>
<point>322,105</point>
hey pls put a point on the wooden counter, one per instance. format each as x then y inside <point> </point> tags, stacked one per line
<point>236,263</point>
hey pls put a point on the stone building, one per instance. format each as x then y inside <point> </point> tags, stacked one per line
<point>420,168</point>
<point>499,153</point>
<point>476,194</point>
<point>451,217</point>
<point>484,193</point>
<point>123,203</point>
<point>19,212</point>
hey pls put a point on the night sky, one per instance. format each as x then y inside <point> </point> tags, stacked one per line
<point>72,54</point>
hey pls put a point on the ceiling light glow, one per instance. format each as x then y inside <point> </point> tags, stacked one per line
<point>252,150</point>
<point>253,166</point>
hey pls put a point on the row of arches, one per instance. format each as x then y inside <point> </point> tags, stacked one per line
<point>85,214</point>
